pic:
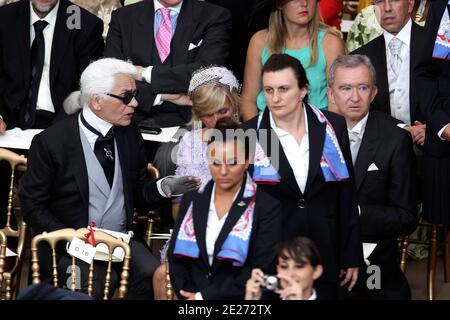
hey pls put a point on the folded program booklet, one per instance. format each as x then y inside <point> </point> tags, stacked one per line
<point>10,253</point>
<point>102,251</point>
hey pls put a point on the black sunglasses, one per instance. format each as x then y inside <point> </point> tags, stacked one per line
<point>127,96</point>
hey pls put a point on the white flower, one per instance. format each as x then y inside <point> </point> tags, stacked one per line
<point>364,29</point>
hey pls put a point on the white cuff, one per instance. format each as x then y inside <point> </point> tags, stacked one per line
<point>160,190</point>
<point>198,296</point>
<point>147,74</point>
<point>158,100</point>
<point>442,131</point>
<point>402,125</point>
<point>359,210</point>
<point>1,118</point>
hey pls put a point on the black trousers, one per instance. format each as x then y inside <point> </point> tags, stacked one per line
<point>140,286</point>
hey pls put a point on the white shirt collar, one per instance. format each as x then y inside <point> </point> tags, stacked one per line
<point>280,132</point>
<point>213,197</point>
<point>314,295</point>
<point>158,6</point>
<point>360,126</point>
<point>50,17</point>
<point>95,121</point>
<point>404,35</point>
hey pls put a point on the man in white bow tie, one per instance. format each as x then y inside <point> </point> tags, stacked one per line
<point>385,165</point>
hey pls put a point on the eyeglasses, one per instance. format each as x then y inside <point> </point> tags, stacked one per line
<point>127,96</point>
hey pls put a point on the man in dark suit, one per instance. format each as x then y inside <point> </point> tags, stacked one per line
<point>91,167</point>
<point>397,90</point>
<point>34,82</point>
<point>170,39</point>
<point>384,164</point>
<point>432,74</point>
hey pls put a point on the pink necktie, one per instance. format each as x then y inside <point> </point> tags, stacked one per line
<point>164,35</point>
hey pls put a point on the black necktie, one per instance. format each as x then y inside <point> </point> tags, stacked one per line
<point>37,55</point>
<point>104,150</point>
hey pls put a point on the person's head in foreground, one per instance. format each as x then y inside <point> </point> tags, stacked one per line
<point>214,92</point>
<point>108,88</point>
<point>285,86</point>
<point>351,86</point>
<point>228,155</point>
<point>299,265</point>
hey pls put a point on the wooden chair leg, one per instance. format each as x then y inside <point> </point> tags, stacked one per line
<point>168,284</point>
<point>404,255</point>
<point>149,232</point>
<point>432,263</point>
<point>446,254</point>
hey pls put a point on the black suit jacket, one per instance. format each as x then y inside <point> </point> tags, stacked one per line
<point>71,52</point>
<point>54,191</point>
<point>376,51</point>
<point>433,80</point>
<point>387,196</point>
<point>222,280</point>
<point>330,213</point>
<point>240,33</point>
<point>131,34</point>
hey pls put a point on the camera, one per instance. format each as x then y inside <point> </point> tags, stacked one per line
<point>271,282</point>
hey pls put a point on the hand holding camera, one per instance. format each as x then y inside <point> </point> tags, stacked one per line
<point>253,288</point>
<point>259,282</point>
<point>291,291</point>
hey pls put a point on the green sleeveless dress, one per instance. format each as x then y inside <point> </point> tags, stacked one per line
<point>317,74</point>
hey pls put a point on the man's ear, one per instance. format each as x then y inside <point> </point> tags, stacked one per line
<point>94,101</point>
<point>331,95</point>
<point>317,272</point>
<point>411,6</point>
<point>373,93</point>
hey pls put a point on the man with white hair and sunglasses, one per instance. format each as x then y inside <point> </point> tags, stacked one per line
<point>91,167</point>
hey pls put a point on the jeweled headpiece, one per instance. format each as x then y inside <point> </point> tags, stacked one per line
<point>213,75</point>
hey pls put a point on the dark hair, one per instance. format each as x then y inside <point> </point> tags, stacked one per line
<point>281,61</point>
<point>227,129</point>
<point>302,250</point>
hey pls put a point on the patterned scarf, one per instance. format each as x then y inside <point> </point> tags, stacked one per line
<point>442,44</point>
<point>332,161</point>
<point>264,172</point>
<point>235,246</point>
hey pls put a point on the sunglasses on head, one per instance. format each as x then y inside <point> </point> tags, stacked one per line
<point>127,96</point>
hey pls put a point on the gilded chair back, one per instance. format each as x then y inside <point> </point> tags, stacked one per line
<point>152,217</point>
<point>167,283</point>
<point>10,281</point>
<point>150,235</point>
<point>148,218</point>
<point>52,238</point>
<point>2,255</point>
<point>17,163</point>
